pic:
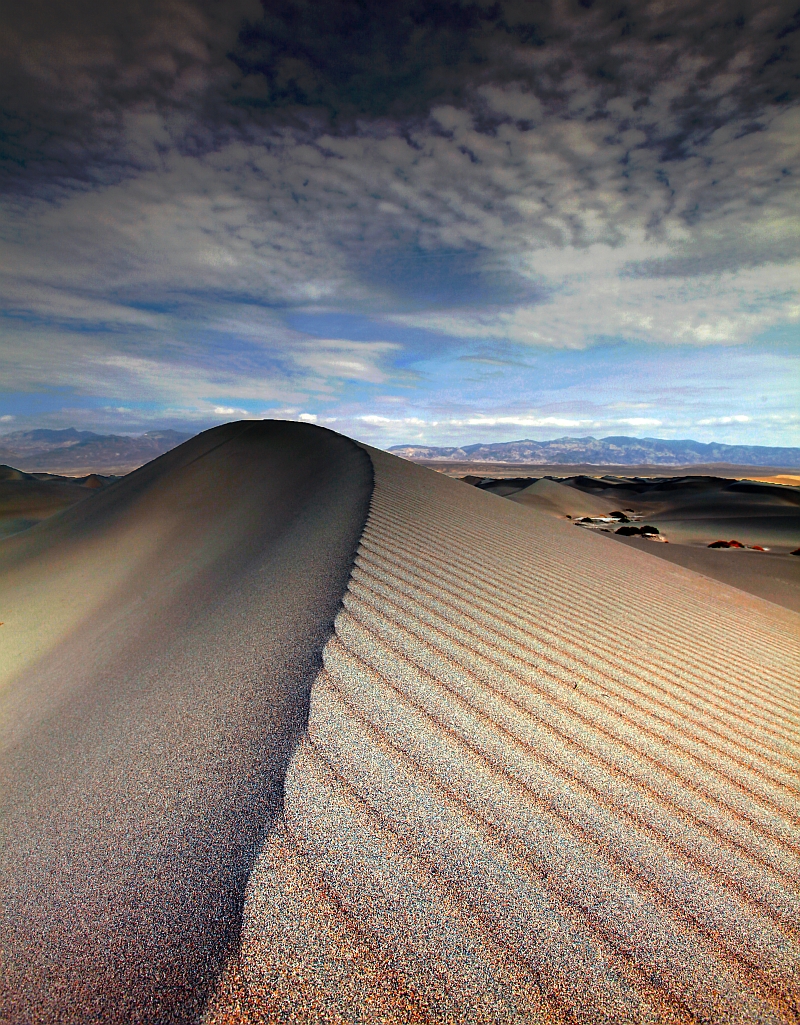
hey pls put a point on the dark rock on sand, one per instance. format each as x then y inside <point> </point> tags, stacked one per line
<point>637,531</point>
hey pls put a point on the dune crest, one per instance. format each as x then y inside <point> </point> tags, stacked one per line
<point>536,785</point>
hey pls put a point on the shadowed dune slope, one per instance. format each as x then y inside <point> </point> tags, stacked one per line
<point>697,510</point>
<point>538,785</point>
<point>156,655</point>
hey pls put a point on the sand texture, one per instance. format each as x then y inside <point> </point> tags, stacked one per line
<point>690,512</point>
<point>538,784</point>
<point>292,730</point>
<point>773,576</point>
<point>157,649</point>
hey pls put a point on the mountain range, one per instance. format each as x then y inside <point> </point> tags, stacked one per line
<point>72,451</point>
<point>612,451</point>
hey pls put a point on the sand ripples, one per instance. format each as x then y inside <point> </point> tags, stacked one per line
<point>534,787</point>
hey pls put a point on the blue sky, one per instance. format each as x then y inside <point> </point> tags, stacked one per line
<point>418,223</point>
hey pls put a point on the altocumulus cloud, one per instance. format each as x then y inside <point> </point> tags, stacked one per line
<point>531,214</point>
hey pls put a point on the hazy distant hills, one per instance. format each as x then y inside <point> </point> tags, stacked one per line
<point>71,451</point>
<point>79,452</point>
<point>614,451</point>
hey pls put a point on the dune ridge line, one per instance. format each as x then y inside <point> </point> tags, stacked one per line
<point>537,784</point>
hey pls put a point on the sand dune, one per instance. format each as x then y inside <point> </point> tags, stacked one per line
<point>697,510</point>
<point>462,468</point>
<point>535,783</point>
<point>690,512</point>
<point>28,498</point>
<point>158,646</point>
<point>690,509</point>
<point>551,496</point>
<point>772,576</point>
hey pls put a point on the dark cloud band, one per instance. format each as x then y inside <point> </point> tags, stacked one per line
<point>73,73</point>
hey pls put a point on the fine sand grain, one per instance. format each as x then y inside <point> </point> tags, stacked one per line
<point>158,646</point>
<point>690,512</point>
<point>538,784</point>
<point>773,576</point>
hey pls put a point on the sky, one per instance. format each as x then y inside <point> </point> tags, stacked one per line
<point>423,221</point>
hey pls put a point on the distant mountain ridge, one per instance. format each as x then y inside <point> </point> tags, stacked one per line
<point>612,451</point>
<point>73,451</point>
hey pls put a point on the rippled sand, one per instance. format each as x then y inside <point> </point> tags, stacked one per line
<point>537,785</point>
<point>515,779</point>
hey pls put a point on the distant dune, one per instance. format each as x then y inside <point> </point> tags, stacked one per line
<point>527,774</point>
<point>690,512</point>
<point>551,496</point>
<point>28,498</point>
<point>464,468</point>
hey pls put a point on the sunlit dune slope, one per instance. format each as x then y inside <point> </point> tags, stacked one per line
<point>538,784</point>
<point>772,576</point>
<point>159,641</point>
<point>551,497</point>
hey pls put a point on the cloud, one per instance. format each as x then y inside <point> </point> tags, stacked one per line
<point>95,91</point>
<point>724,420</point>
<point>351,361</point>
<point>386,431</point>
<point>496,180</point>
<point>99,90</point>
<point>594,301</point>
<point>509,421</point>
<point>505,242</point>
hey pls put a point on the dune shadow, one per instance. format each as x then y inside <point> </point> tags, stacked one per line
<point>144,755</point>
